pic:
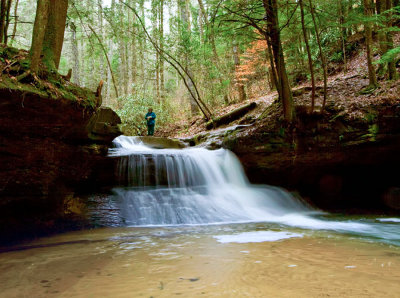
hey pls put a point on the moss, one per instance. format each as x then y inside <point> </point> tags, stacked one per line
<point>10,84</point>
<point>46,84</point>
<point>9,52</point>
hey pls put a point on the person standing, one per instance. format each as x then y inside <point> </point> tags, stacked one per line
<point>151,121</point>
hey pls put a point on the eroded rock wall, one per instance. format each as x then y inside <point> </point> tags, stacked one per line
<point>48,147</point>
<point>337,165</point>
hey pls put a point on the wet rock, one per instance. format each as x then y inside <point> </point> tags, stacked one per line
<point>162,143</point>
<point>103,125</point>
<point>391,198</point>
<point>335,163</point>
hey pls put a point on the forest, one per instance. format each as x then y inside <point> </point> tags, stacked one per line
<point>193,57</point>
<point>271,171</point>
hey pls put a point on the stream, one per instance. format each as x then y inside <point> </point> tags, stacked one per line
<point>188,223</point>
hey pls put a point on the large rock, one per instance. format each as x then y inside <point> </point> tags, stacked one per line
<point>162,143</point>
<point>103,126</point>
<point>337,165</point>
<point>48,147</point>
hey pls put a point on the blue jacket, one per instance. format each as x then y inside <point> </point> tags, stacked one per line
<point>152,120</point>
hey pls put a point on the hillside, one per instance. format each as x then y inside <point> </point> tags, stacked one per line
<point>345,97</point>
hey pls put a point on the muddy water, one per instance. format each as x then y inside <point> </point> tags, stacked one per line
<point>201,261</point>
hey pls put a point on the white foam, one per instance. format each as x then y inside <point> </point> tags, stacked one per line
<point>391,219</point>
<point>260,236</point>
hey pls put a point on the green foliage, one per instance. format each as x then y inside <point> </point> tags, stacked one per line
<point>389,56</point>
<point>202,44</point>
<point>134,108</point>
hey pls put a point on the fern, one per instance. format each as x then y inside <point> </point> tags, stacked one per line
<point>389,56</point>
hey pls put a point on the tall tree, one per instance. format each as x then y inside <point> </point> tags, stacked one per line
<point>133,49</point>
<point>210,26</point>
<point>161,42</point>
<point>342,32</point>
<point>321,54</point>
<point>3,12</point>
<point>273,35</point>
<point>39,29</point>
<point>76,72</point>
<point>392,72</point>
<point>185,32</point>
<point>7,20</point>
<point>368,11</point>
<point>310,62</point>
<point>54,35</point>
<point>240,86</point>
<point>156,37</point>
<point>16,17</point>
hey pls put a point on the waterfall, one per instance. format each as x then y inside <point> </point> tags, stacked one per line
<point>198,186</point>
<point>192,186</point>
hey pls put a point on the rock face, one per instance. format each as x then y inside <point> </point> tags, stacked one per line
<point>162,143</point>
<point>48,146</point>
<point>103,126</point>
<point>338,165</point>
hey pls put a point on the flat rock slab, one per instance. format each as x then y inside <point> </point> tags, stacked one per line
<point>163,143</point>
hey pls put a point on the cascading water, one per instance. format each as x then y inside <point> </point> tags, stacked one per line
<point>192,186</point>
<point>200,186</point>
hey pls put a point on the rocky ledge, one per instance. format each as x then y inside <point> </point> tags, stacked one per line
<point>52,134</point>
<point>336,163</point>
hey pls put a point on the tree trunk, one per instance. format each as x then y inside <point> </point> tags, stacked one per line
<point>122,55</point>
<point>82,63</point>
<point>310,63</point>
<point>161,62</point>
<point>380,8</point>
<point>15,22</point>
<point>3,12</point>
<point>240,86</point>
<point>102,66</point>
<point>39,29</point>
<point>133,54</point>
<point>75,56</point>
<point>109,71</point>
<point>211,39</point>
<point>108,60</point>
<point>231,116</point>
<point>368,9</point>
<point>181,70</point>
<point>284,90</point>
<point>156,38</point>
<point>273,73</point>
<point>185,34</point>
<point>142,45</point>
<point>52,45</point>
<point>389,38</point>
<point>322,56</point>
<point>342,33</point>
<point>7,21</point>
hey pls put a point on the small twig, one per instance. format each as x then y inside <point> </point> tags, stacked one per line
<point>99,88</point>
<point>9,65</point>
<point>23,76</point>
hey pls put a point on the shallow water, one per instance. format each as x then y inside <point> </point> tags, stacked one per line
<point>201,261</point>
<point>187,223</point>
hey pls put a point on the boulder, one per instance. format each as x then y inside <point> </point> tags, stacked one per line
<point>103,125</point>
<point>162,143</point>
<point>49,146</point>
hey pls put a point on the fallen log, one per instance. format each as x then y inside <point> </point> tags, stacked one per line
<point>231,116</point>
